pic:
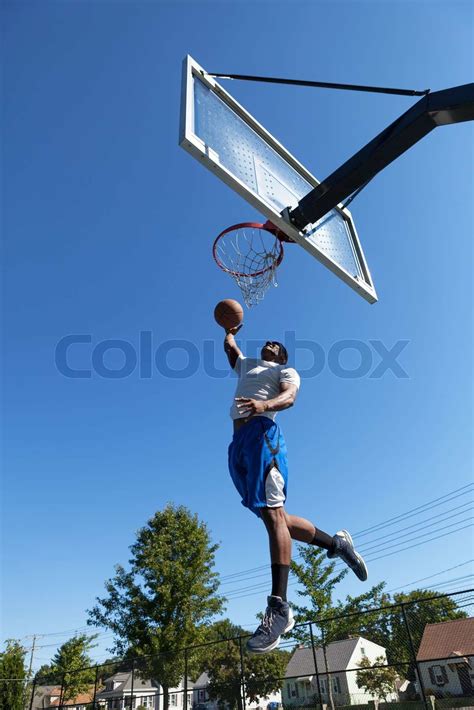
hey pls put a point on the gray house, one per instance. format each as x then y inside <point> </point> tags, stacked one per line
<point>147,693</point>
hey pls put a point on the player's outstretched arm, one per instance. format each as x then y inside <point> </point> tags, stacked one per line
<point>231,348</point>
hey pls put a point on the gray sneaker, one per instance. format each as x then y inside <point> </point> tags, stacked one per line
<point>278,620</point>
<point>344,548</point>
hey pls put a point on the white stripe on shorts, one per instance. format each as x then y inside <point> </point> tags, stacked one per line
<point>274,488</point>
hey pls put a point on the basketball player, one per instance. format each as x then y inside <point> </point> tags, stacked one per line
<point>258,467</point>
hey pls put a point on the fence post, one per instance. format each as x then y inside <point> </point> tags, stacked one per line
<point>61,693</point>
<point>185,703</point>
<point>131,687</point>
<point>242,674</point>
<point>315,664</point>
<point>33,690</point>
<point>95,686</point>
<point>413,653</point>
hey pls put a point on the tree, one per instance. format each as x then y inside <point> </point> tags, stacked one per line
<point>71,666</point>
<point>13,676</point>
<point>422,606</point>
<point>47,676</point>
<point>222,661</point>
<point>379,682</point>
<point>374,614</point>
<point>317,577</point>
<point>361,616</point>
<point>162,603</point>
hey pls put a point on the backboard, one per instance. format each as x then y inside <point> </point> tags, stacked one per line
<point>223,136</point>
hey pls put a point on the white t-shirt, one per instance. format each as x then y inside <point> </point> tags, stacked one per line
<point>259,379</point>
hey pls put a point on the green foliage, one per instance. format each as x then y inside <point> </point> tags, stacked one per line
<point>355,615</point>
<point>46,675</point>
<point>379,682</point>
<point>13,676</point>
<point>318,579</point>
<point>420,610</point>
<point>222,662</point>
<point>169,592</point>
<point>71,665</point>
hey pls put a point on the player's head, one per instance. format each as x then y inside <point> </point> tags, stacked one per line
<point>273,351</point>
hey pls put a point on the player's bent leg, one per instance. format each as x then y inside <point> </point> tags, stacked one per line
<point>300,529</point>
<point>345,550</point>
<point>278,618</point>
<point>338,545</point>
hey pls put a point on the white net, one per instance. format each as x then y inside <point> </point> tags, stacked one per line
<point>250,254</point>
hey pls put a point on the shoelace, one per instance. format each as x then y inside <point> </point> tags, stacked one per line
<point>267,620</point>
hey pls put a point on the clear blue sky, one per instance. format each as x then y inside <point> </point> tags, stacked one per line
<point>108,227</point>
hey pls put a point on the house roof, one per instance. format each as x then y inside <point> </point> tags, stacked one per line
<point>446,639</point>
<point>124,683</point>
<point>80,699</point>
<point>338,654</point>
<point>202,681</point>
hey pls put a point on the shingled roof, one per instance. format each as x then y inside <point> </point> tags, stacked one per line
<point>448,638</point>
<point>124,682</point>
<point>338,654</point>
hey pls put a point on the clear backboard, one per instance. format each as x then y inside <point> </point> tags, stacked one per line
<point>223,136</point>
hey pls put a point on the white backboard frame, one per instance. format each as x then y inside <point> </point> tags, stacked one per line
<point>194,145</point>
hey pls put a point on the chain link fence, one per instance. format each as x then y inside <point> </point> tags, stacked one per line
<point>417,655</point>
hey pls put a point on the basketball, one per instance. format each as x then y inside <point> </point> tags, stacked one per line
<point>228,313</point>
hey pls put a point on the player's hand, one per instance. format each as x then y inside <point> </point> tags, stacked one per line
<point>249,407</point>
<point>233,331</point>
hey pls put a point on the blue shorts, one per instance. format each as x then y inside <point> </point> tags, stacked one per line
<point>258,465</point>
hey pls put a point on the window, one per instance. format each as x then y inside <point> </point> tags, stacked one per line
<point>438,675</point>
<point>362,650</point>
<point>336,685</point>
<point>173,700</point>
<point>293,691</point>
<point>323,685</point>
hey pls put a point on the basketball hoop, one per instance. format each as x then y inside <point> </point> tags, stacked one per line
<point>250,252</point>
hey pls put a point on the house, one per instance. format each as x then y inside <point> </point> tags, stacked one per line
<point>343,659</point>
<point>201,699</point>
<point>118,688</point>
<point>48,696</point>
<point>446,657</point>
<point>147,693</point>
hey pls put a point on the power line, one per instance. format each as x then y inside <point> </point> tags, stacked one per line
<point>374,550</point>
<point>394,534</point>
<point>418,508</point>
<point>264,585</point>
<point>434,503</point>
<point>423,579</point>
<point>446,498</point>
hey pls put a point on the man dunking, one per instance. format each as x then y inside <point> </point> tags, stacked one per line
<point>258,467</point>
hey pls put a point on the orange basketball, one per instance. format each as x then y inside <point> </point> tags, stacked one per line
<point>229,313</point>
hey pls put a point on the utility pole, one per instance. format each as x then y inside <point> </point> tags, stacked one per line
<point>31,656</point>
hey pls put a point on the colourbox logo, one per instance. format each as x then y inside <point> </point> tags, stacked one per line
<point>78,357</point>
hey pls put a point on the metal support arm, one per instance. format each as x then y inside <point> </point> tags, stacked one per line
<point>440,108</point>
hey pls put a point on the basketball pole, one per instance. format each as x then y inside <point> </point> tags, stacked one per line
<point>440,108</point>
